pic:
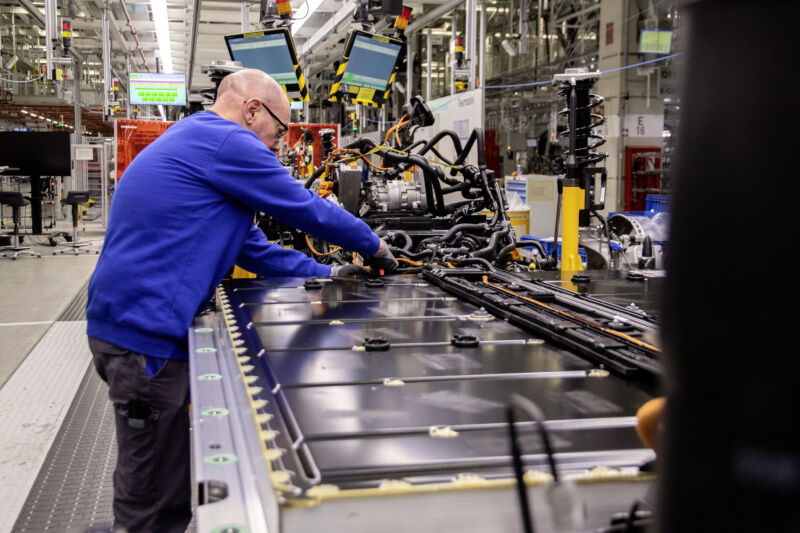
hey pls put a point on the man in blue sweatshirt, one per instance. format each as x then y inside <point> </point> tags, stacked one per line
<point>182,215</point>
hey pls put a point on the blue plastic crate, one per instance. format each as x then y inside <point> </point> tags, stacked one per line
<point>657,203</point>
<point>547,243</point>
<point>648,214</point>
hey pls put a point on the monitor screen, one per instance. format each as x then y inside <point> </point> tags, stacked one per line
<point>35,153</point>
<point>369,64</point>
<point>655,42</point>
<point>153,88</point>
<point>271,51</point>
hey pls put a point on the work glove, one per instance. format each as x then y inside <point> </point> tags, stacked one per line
<point>383,260</point>
<point>348,270</point>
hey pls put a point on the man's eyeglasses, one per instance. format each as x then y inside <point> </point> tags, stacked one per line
<point>284,127</point>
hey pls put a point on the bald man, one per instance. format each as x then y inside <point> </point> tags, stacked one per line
<point>182,215</point>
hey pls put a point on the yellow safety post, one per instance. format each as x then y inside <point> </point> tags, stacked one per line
<point>573,201</point>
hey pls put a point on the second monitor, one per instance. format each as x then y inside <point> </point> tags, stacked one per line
<point>367,68</point>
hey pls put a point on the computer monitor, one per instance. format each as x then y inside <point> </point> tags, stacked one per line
<point>271,51</point>
<point>368,67</point>
<point>35,153</point>
<point>156,88</point>
<point>655,42</point>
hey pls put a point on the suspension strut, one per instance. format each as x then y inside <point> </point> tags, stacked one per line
<point>581,194</point>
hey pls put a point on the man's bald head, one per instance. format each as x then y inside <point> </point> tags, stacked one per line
<point>240,96</point>
<point>250,83</point>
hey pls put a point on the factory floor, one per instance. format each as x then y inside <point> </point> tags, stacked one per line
<point>44,371</point>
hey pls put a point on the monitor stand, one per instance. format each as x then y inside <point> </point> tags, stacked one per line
<point>36,205</point>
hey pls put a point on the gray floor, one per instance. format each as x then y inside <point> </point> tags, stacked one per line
<point>33,293</point>
<point>74,490</point>
<point>73,487</point>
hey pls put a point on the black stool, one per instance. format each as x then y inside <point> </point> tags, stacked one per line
<point>15,200</point>
<point>76,198</point>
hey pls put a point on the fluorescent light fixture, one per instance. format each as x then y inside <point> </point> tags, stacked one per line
<point>161,22</point>
<point>24,111</point>
<point>509,46</point>
<point>312,6</point>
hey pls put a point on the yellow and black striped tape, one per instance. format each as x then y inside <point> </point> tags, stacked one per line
<point>363,95</point>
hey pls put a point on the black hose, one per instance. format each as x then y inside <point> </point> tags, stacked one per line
<point>440,156</point>
<point>414,145</point>
<point>453,231</point>
<point>409,255</point>
<point>530,408</point>
<point>608,232</point>
<point>473,261</point>
<point>519,474</point>
<point>406,237</point>
<point>317,173</point>
<point>430,145</point>
<point>476,136</point>
<point>501,207</point>
<point>493,241</point>
<point>363,144</point>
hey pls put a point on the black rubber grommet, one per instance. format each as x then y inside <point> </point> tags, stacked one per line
<point>635,276</point>
<point>378,344</point>
<point>312,285</point>
<point>465,341</point>
<point>581,278</point>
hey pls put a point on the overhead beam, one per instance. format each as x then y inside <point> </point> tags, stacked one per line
<point>326,29</point>
<point>432,16</point>
<point>193,44</point>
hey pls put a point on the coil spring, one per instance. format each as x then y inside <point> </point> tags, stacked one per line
<point>584,150</point>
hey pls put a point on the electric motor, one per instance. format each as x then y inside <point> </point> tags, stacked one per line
<point>398,195</point>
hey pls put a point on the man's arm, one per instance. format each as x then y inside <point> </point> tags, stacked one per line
<point>246,170</point>
<point>260,256</point>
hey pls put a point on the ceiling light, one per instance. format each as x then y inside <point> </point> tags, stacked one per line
<point>24,111</point>
<point>161,22</point>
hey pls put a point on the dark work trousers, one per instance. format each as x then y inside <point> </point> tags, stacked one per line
<point>152,487</point>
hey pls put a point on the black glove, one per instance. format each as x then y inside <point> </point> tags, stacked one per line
<point>348,270</point>
<point>383,260</point>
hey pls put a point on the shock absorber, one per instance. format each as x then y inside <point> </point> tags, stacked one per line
<point>581,194</point>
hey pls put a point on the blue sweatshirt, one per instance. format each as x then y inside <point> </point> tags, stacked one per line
<point>182,214</point>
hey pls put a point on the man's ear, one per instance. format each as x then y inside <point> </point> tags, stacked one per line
<point>250,111</point>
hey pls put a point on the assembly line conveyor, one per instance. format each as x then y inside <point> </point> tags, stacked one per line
<point>343,404</point>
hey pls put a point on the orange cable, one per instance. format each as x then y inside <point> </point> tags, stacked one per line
<point>315,252</point>
<point>409,261</point>
<point>396,126</point>
<point>570,315</point>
